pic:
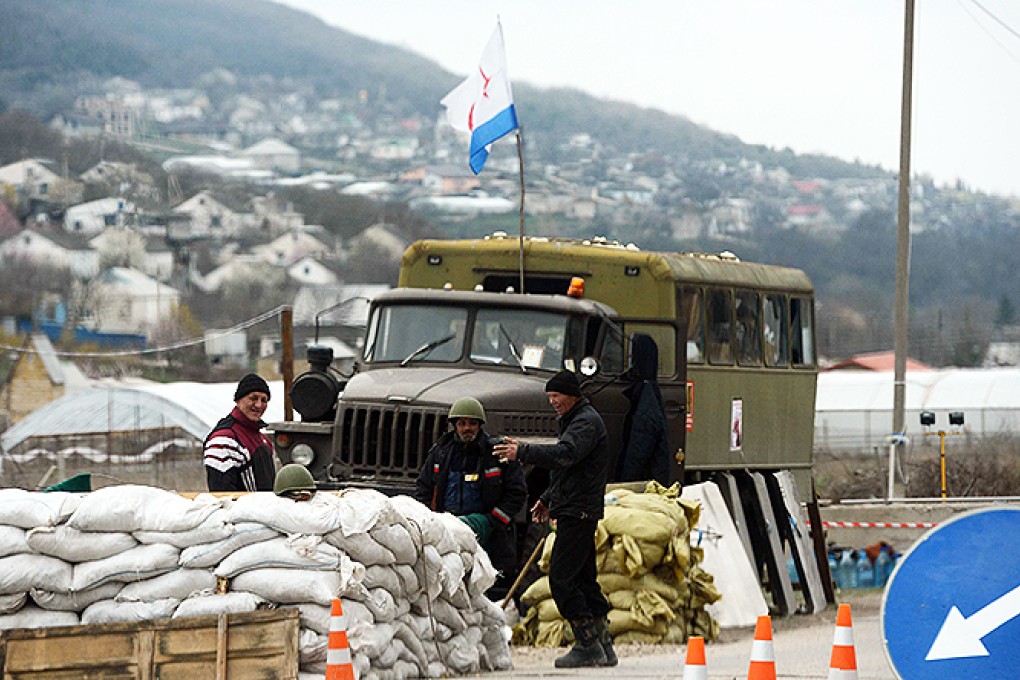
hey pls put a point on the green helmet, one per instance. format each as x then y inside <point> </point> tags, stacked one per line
<point>293,477</point>
<point>467,407</point>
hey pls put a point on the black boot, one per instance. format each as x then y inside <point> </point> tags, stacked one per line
<point>606,640</point>
<point>587,651</point>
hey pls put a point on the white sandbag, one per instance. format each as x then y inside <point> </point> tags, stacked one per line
<point>461,652</point>
<point>461,599</point>
<point>214,528</point>
<point>67,543</point>
<point>482,574</point>
<point>178,584</point>
<point>385,578</point>
<point>76,600</point>
<point>392,653</point>
<point>452,573</point>
<point>409,577</point>
<point>33,617</point>
<point>137,564</point>
<point>318,515</point>
<point>382,605</point>
<point>370,641</point>
<point>420,519</point>
<point>406,634</point>
<point>12,541</point>
<point>433,571</point>
<point>140,508</point>
<point>492,613</point>
<point>425,626</point>
<point>214,604</point>
<point>317,616</point>
<point>361,547</point>
<point>211,554</point>
<point>447,614</point>
<point>301,551</point>
<point>397,540</point>
<point>356,612</point>
<point>498,648</point>
<point>362,509</point>
<point>20,573</point>
<point>311,647</point>
<point>110,611</point>
<point>290,586</point>
<point>30,509</point>
<point>12,603</point>
<point>464,539</point>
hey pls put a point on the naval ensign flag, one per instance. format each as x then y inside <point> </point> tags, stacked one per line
<point>484,104</point>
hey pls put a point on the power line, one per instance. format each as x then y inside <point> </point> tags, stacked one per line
<point>989,33</point>
<point>153,350</point>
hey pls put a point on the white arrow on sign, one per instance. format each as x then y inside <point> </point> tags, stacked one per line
<point>960,637</point>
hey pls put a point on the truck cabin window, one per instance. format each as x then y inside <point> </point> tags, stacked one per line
<point>410,333</point>
<point>515,337</point>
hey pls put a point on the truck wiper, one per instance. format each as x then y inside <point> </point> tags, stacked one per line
<point>513,348</point>
<point>427,347</point>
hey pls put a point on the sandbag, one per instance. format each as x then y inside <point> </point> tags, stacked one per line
<point>214,604</point>
<point>33,617</point>
<point>361,547</point>
<point>396,539</point>
<point>286,552</point>
<point>12,541</point>
<point>210,554</point>
<point>20,573</point>
<point>290,586</point>
<point>69,544</point>
<point>110,611</point>
<point>12,603</point>
<point>137,564</point>
<point>76,600</point>
<point>318,515</point>
<point>178,584</point>
<point>140,508</point>
<point>28,509</point>
<point>214,528</point>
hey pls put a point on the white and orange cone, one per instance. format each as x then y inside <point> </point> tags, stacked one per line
<point>763,656</point>
<point>338,652</point>
<point>695,667</point>
<point>843,665</point>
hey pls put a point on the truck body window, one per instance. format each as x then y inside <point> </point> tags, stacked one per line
<point>692,309</point>
<point>720,326</point>
<point>748,329</point>
<point>664,336</point>
<point>776,330</point>
<point>802,336</point>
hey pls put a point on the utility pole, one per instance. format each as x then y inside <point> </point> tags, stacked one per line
<point>901,346</point>
<point>287,358</point>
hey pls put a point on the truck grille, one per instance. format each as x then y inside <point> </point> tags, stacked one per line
<point>383,442</point>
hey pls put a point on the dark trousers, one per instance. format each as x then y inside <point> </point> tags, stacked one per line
<point>572,571</point>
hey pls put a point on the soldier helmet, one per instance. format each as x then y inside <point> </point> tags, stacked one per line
<point>467,407</point>
<point>293,477</point>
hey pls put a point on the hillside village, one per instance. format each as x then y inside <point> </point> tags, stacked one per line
<point>146,263</point>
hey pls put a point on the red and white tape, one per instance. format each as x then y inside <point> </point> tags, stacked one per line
<point>878,525</point>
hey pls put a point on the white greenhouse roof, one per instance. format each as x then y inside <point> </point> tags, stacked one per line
<point>193,407</point>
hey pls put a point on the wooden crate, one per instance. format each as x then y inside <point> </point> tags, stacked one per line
<point>261,644</point>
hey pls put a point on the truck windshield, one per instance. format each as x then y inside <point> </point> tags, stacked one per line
<point>519,338</point>
<point>408,333</point>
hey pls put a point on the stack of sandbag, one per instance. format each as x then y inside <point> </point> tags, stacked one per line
<point>648,571</point>
<point>412,582</point>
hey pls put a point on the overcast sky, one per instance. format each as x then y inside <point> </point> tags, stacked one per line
<point>813,75</point>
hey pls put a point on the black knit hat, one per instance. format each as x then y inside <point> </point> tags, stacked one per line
<point>250,383</point>
<point>564,382</point>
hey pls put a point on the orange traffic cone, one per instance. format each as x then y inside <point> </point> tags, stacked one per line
<point>763,657</point>
<point>695,667</point>
<point>338,652</point>
<point>843,665</point>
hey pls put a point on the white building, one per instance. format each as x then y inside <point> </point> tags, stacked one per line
<point>125,300</point>
<point>273,154</point>
<point>94,216</point>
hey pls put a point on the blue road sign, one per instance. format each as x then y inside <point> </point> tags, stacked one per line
<point>952,606</point>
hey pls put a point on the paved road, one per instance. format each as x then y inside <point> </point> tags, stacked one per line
<point>803,645</point>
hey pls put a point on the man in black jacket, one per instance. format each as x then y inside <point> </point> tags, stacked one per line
<point>578,464</point>
<point>462,476</point>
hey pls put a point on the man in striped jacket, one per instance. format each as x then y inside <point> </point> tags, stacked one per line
<point>238,457</point>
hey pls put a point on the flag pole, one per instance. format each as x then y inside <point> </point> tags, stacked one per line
<point>520,166</point>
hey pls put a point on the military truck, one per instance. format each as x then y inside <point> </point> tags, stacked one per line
<point>495,317</point>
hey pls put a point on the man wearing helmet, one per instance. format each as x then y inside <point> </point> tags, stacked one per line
<point>462,476</point>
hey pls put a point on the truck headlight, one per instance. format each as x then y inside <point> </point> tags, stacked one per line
<point>302,454</point>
